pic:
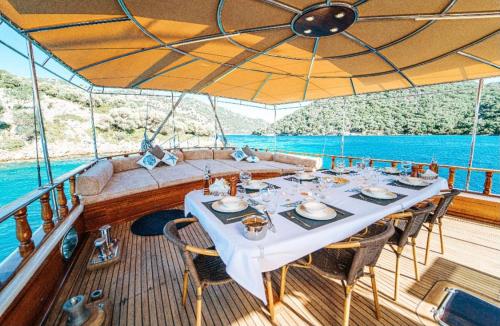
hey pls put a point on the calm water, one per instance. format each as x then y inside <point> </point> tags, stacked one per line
<point>17,179</point>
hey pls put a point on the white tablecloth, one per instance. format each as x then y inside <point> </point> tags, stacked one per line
<point>246,260</point>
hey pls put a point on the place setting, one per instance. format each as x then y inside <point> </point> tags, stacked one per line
<point>378,195</point>
<point>302,176</point>
<point>413,183</point>
<point>313,214</point>
<point>230,209</point>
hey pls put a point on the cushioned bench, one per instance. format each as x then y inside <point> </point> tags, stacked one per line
<point>119,188</point>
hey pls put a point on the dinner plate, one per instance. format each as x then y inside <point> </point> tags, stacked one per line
<point>217,205</point>
<point>305,176</point>
<point>378,193</point>
<point>327,214</point>
<point>390,170</point>
<point>255,185</point>
<point>346,170</point>
<point>412,181</point>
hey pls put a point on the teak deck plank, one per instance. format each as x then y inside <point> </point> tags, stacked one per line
<point>145,287</point>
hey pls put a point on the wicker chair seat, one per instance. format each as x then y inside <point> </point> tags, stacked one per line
<point>211,269</point>
<point>396,237</point>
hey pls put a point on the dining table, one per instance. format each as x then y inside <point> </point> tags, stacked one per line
<point>250,262</point>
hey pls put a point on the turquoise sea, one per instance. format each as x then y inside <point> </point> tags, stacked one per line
<point>17,179</point>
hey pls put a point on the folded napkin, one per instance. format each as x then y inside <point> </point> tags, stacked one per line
<point>429,173</point>
<point>219,186</point>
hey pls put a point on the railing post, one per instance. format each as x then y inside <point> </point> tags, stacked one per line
<point>23,233</point>
<point>47,214</point>
<point>394,164</point>
<point>371,163</point>
<point>451,177</point>
<point>414,170</point>
<point>488,183</point>
<point>350,161</point>
<point>72,189</point>
<point>63,203</point>
<point>434,167</point>
<point>333,162</point>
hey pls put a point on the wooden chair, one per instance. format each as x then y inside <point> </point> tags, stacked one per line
<point>206,267</point>
<point>407,226</point>
<point>345,261</point>
<point>443,202</point>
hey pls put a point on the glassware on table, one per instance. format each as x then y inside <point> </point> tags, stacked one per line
<point>245,177</point>
<point>406,165</point>
<point>366,162</point>
<point>341,166</point>
<point>265,195</point>
<point>272,205</point>
<point>301,169</point>
<point>241,193</point>
<point>359,166</point>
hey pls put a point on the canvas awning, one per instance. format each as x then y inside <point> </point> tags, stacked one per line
<point>266,51</point>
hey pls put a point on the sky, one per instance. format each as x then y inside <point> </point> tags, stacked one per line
<point>18,65</point>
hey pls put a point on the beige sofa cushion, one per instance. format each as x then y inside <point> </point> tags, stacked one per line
<point>198,154</point>
<point>264,156</point>
<point>182,172</point>
<point>310,163</point>
<point>93,181</point>
<point>259,167</point>
<point>284,167</point>
<point>223,154</point>
<point>125,163</point>
<point>123,184</point>
<point>217,169</point>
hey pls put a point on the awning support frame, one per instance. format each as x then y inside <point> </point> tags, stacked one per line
<point>217,121</point>
<point>474,131</point>
<point>92,124</point>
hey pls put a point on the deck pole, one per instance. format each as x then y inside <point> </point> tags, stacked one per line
<point>40,123</point>
<point>217,121</point>
<point>275,135</point>
<point>38,112</point>
<point>151,140</point>
<point>474,131</point>
<point>92,122</point>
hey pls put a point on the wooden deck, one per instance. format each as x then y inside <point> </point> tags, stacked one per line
<point>145,287</point>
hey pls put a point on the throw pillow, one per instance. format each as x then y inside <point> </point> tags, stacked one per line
<point>169,159</point>
<point>253,159</point>
<point>157,151</point>
<point>149,161</point>
<point>248,151</point>
<point>239,155</point>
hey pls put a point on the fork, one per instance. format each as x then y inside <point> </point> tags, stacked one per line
<point>293,217</point>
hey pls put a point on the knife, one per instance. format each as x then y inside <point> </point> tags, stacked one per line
<point>271,224</point>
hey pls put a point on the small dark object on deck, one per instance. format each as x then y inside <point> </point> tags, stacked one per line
<point>152,224</point>
<point>462,308</point>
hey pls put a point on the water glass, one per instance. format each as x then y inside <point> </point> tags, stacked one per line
<point>241,193</point>
<point>245,177</point>
<point>366,162</point>
<point>406,165</point>
<point>341,166</point>
<point>272,206</point>
<point>300,169</point>
<point>265,195</point>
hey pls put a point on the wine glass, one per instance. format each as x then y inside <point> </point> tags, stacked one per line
<point>300,169</point>
<point>406,165</point>
<point>341,166</point>
<point>245,177</point>
<point>265,195</point>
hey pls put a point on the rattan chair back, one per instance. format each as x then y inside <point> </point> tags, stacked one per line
<point>371,243</point>
<point>172,234</point>
<point>443,204</point>
<point>410,227</point>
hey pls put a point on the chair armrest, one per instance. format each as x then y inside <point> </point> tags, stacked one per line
<point>398,216</point>
<point>202,251</point>
<point>344,245</point>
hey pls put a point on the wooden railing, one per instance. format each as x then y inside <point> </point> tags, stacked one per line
<point>418,167</point>
<point>18,209</point>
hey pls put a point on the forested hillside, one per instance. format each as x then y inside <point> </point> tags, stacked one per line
<point>120,119</point>
<point>441,109</point>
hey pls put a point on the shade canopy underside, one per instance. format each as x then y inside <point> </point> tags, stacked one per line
<point>248,49</point>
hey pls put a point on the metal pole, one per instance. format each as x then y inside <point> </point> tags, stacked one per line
<point>173,118</point>
<point>41,126</point>
<point>167,117</point>
<point>217,121</point>
<point>474,131</point>
<point>38,112</point>
<point>94,138</point>
<point>275,136</point>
